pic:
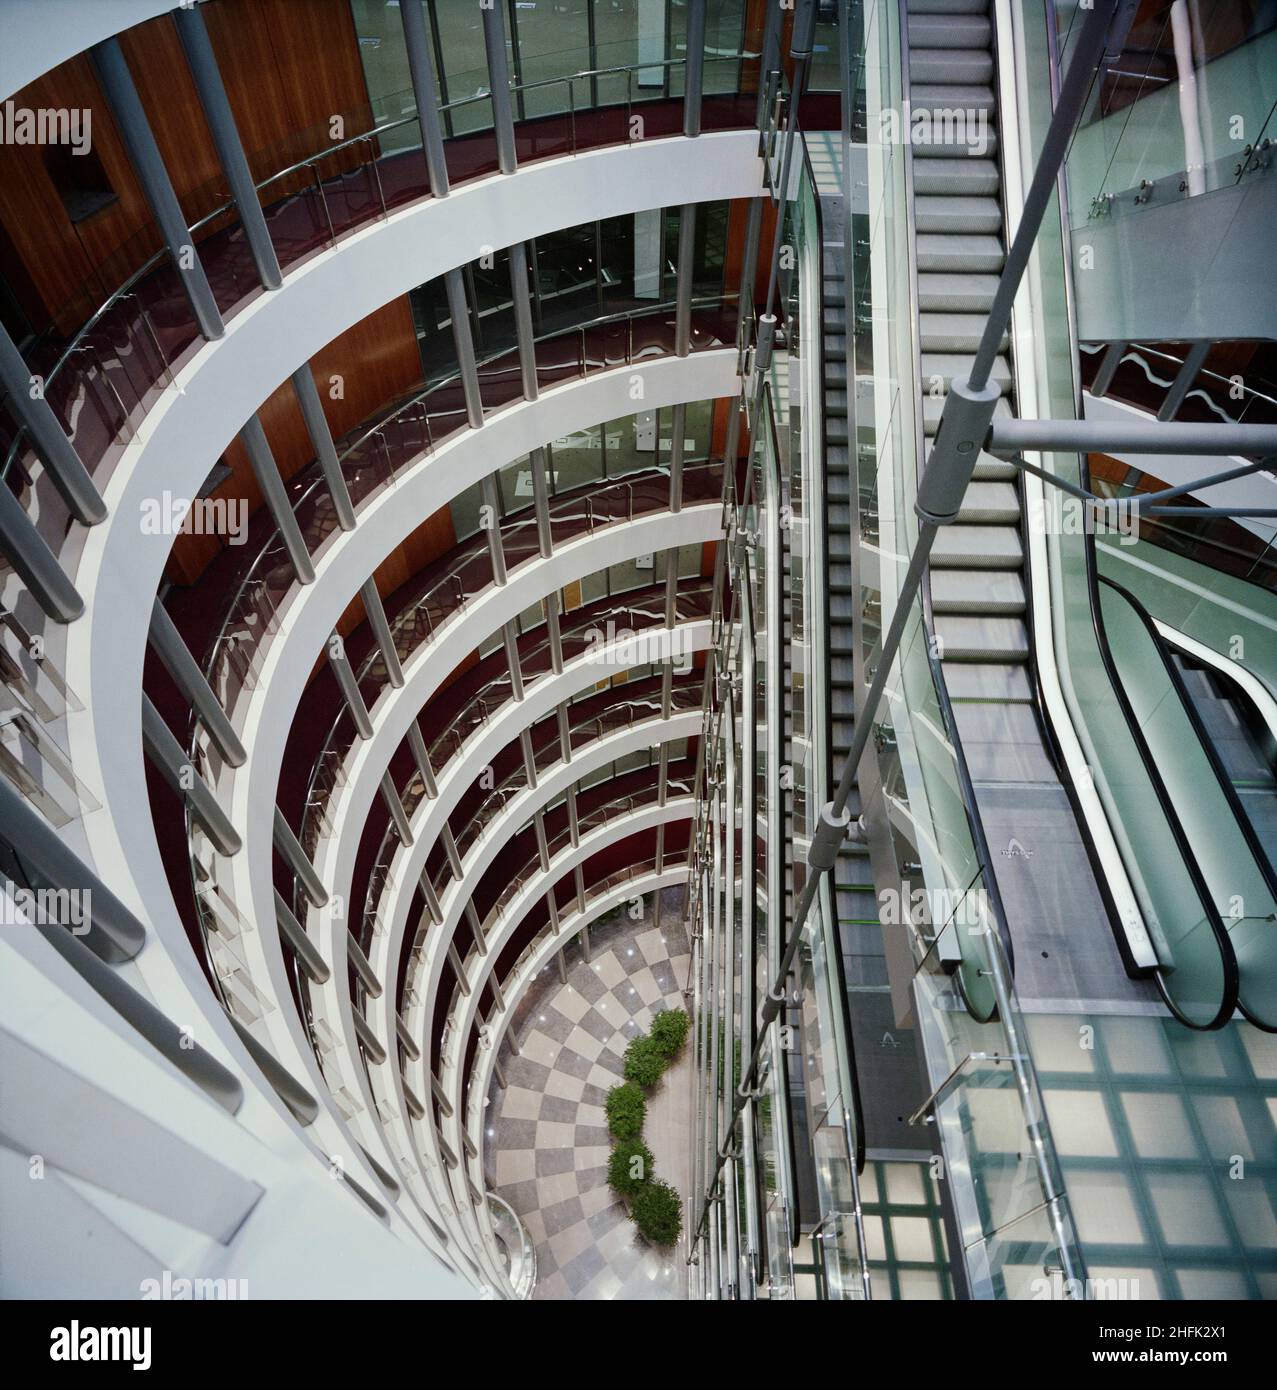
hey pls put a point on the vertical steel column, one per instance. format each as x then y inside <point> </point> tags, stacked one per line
<point>714,1108</point>
<point>541,503</point>
<point>381,631</point>
<point>565,736</point>
<point>290,847</point>
<point>115,934</point>
<point>394,804</point>
<point>732,1216</point>
<point>459,312</point>
<point>230,149</point>
<point>340,664</point>
<point>678,424</point>
<point>177,660</point>
<point>55,450</point>
<point>574,823</point>
<point>421,755</point>
<point>510,641</point>
<point>1109,364</point>
<point>433,906</point>
<point>522,302</point>
<point>496,551</point>
<point>683,284</point>
<point>749,910</point>
<point>34,563</point>
<point>552,906</point>
<point>476,926</point>
<point>749,268</point>
<point>694,70</point>
<point>321,440</point>
<point>458,968</point>
<point>450,849</point>
<point>175,767</point>
<point>543,847</point>
<point>423,90</point>
<point>529,758</point>
<point>144,155</point>
<point>556,636</point>
<point>266,472</point>
<point>769,58</point>
<point>1183,382</point>
<point>499,85</point>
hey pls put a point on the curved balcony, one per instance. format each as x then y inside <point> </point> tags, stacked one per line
<point>506,878</point>
<point>433,955</point>
<point>385,517</point>
<point>577,719</point>
<point>356,820</point>
<point>140,333</point>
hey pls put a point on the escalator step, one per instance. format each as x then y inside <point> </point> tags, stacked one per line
<point>977,548</point>
<point>944,366</point>
<point>977,591</point>
<point>973,66</point>
<point>970,101</point>
<point>967,254</point>
<point>949,30</point>
<point>990,504</point>
<point>974,682</point>
<point>954,332</point>
<point>986,637</point>
<point>947,292</point>
<point>962,177</point>
<point>948,6</point>
<point>988,469</point>
<point>978,144</point>
<point>955,216</point>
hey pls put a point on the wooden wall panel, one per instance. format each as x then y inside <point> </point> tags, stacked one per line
<point>70,268</point>
<point>376,360</point>
<point>288,67</point>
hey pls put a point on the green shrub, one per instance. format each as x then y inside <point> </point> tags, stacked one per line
<point>629,1167</point>
<point>644,1061</point>
<point>669,1031</point>
<point>625,1111</point>
<point>657,1212</point>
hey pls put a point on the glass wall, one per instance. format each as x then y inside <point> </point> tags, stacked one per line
<point>576,275</point>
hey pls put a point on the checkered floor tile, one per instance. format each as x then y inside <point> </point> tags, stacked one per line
<point>547,1140</point>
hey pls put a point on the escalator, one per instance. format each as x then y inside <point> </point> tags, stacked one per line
<point>1204,749</point>
<point>895,1072</point>
<point>1053,897</point>
<point>1244,744</point>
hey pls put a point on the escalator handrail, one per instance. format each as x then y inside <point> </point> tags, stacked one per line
<point>1140,743</point>
<point>966,788</point>
<point>1263,862</point>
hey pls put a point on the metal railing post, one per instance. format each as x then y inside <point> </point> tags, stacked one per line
<point>57,453</point>
<point>144,155</point>
<point>173,652</point>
